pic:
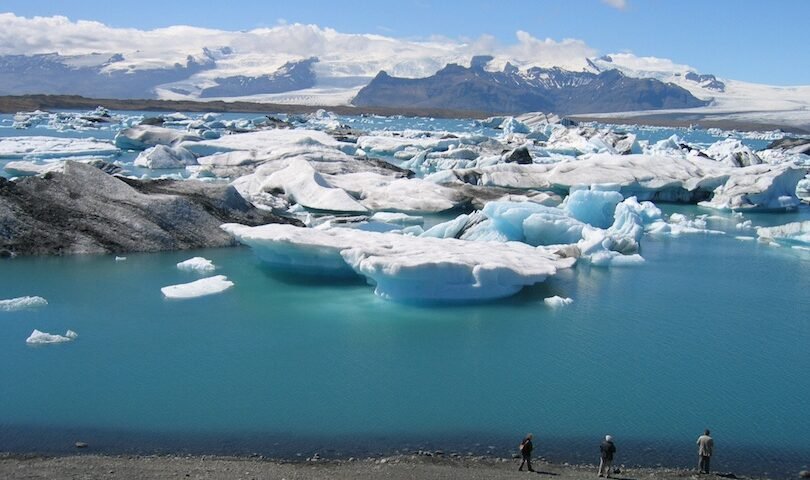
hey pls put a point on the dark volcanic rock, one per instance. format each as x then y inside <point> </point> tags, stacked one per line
<point>796,145</point>
<point>538,89</point>
<point>85,210</point>
<point>520,156</point>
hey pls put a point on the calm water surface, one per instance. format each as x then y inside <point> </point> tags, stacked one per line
<point>710,331</point>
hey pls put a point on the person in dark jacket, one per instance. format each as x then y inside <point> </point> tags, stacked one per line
<point>526,448</point>
<point>607,449</point>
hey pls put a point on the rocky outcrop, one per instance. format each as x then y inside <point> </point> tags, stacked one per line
<point>84,210</point>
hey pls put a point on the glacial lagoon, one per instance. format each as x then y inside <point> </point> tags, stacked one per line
<point>710,331</point>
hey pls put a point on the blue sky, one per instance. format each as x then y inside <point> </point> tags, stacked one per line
<point>747,40</point>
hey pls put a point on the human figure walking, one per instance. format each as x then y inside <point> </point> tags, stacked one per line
<point>606,449</point>
<point>705,448</point>
<point>526,448</point>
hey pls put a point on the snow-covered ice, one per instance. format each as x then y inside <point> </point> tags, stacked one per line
<point>43,338</point>
<point>198,288</point>
<point>197,264</point>
<point>22,303</point>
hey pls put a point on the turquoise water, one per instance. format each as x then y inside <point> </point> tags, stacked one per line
<point>710,332</point>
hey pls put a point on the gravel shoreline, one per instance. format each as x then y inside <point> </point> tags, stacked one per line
<point>93,466</point>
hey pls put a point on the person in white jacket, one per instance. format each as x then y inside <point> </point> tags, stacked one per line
<point>705,448</point>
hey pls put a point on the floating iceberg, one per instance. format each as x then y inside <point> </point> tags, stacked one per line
<point>302,184</point>
<point>22,303</point>
<point>199,288</point>
<point>792,233</point>
<point>141,137</point>
<point>402,267</point>
<point>21,168</point>
<point>733,153</point>
<point>53,147</point>
<point>759,187</point>
<point>197,264</point>
<point>557,301</point>
<point>270,144</point>
<point>42,338</point>
<point>161,156</point>
<point>647,177</point>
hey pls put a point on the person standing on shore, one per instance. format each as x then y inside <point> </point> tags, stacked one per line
<point>705,447</point>
<point>526,448</point>
<point>607,449</point>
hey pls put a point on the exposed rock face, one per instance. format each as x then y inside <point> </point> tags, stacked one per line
<point>511,91</point>
<point>84,210</point>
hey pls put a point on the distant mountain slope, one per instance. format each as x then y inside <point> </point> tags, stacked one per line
<point>296,75</point>
<point>512,91</point>
<point>88,75</point>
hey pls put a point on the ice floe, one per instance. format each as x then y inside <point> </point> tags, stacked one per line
<point>197,264</point>
<point>759,187</point>
<point>404,267</point>
<point>43,338</point>
<point>198,288</point>
<point>557,301</point>
<point>141,137</point>
<point>22,303</point>
<point>161,156</point>
<point>792,233</point>
<point>303,185</point>
<point>42,147</point>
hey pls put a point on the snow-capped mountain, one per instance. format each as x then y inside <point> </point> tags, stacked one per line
<point>59,56</point>
<point>513,91</point>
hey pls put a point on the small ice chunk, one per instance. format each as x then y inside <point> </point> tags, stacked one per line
<point>22,303</point>
<point>197,264</point>
<point>557,301</point>
<point>199,288</point>
<point>43,338</point>
<point>120,259</point>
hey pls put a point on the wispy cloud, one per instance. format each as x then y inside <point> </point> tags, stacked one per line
<point>618,4</point>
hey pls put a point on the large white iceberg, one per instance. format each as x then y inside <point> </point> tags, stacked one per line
<point>43,338</point>
<point>21,303</point>
<point>404,267</point>
<point>199,288</point>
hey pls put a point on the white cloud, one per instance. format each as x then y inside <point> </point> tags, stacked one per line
<point>619,4</point>
<point>263,49</point>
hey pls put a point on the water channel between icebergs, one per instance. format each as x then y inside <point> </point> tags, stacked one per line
<point>710,331</point>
